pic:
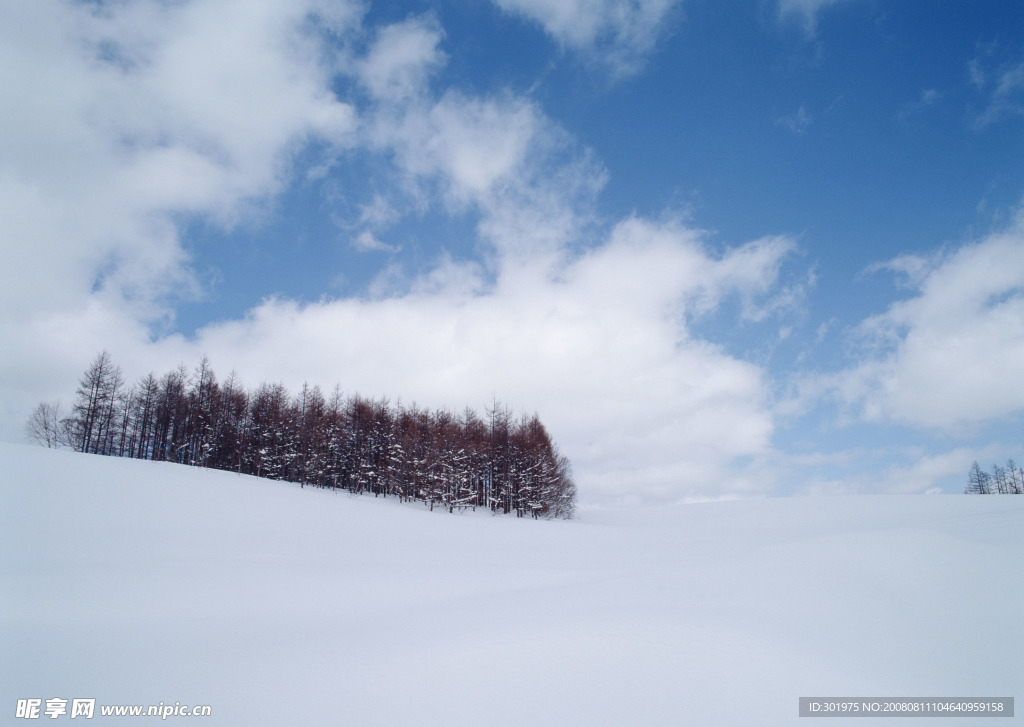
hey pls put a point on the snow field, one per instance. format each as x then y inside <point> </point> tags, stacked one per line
<point>137,582</point>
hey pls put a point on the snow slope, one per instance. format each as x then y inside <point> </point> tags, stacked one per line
<point>137,582</point>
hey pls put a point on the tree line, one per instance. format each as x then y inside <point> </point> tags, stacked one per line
<point>502,462</point>
<point>1008,480</point>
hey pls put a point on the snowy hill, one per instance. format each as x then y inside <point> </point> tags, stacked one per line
<point>139,583</point>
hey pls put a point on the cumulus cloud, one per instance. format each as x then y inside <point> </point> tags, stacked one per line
<point>947,356</point>
<point>498,156</point>
<point>144,114</point>
<point>618,34</point>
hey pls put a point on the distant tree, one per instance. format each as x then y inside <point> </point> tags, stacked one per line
<point>1000,480</point>
<point>334,440</point>
<point>229,426</point>
<point>126,401</point>
<point>202,401</point>
<point>144,417</point>
<point>978,481</point>
<point>111,414</point>
<point>499,466</point>
<point>1016,477</point>
<point>402,464</point>
<point>474,441</point>
<point>269,443</point>
<point>95,400</point>
<point>45,425</point>
<point>171,417</point>
<point>1007,480</point>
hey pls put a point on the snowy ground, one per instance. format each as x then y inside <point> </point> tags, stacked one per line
<point>138,583</point>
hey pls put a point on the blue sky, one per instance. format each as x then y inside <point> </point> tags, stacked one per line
<point>722,249</point>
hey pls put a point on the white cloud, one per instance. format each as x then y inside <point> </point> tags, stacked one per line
<point>476,145</point>
<point>498,156</point>
<point>473,145</point>
<point>1002,83</point>
<point>1011,82</point>
<point>798,122</point>
<point>977,73</point>
<point>365,241</point>
<point>948,356</point>
<point>618,34</point>
<point>141,112</point>
<point>805,11</point>
<point>912,269</point>
<point>401,59</point>
<point>906,471</point>
<point>379,212</point>
<point>927,98</point>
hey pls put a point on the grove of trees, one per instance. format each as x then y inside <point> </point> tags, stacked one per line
<point>1008,480</point>
<point>502,462</point>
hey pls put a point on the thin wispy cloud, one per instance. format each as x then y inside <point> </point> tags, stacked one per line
<point>1000,82</point>
<point>928,98</point>
<point>804,11</point>
<point>798,122</point>
<point>367,242</point>
<point>618,36</point>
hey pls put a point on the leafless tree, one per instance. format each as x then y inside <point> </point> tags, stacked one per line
<point>978,481</point>
<point>45,425</point>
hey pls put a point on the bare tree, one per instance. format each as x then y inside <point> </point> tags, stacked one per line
<point>94,404</point>
<point>45,425</point>
<point>1002,482</point>
<point>1007,480</point>
<point>1016,477</point>
<point>144,406</point>
<point>978,481</point>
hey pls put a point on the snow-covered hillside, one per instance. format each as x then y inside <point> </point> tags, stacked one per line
<point>137,583</point>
